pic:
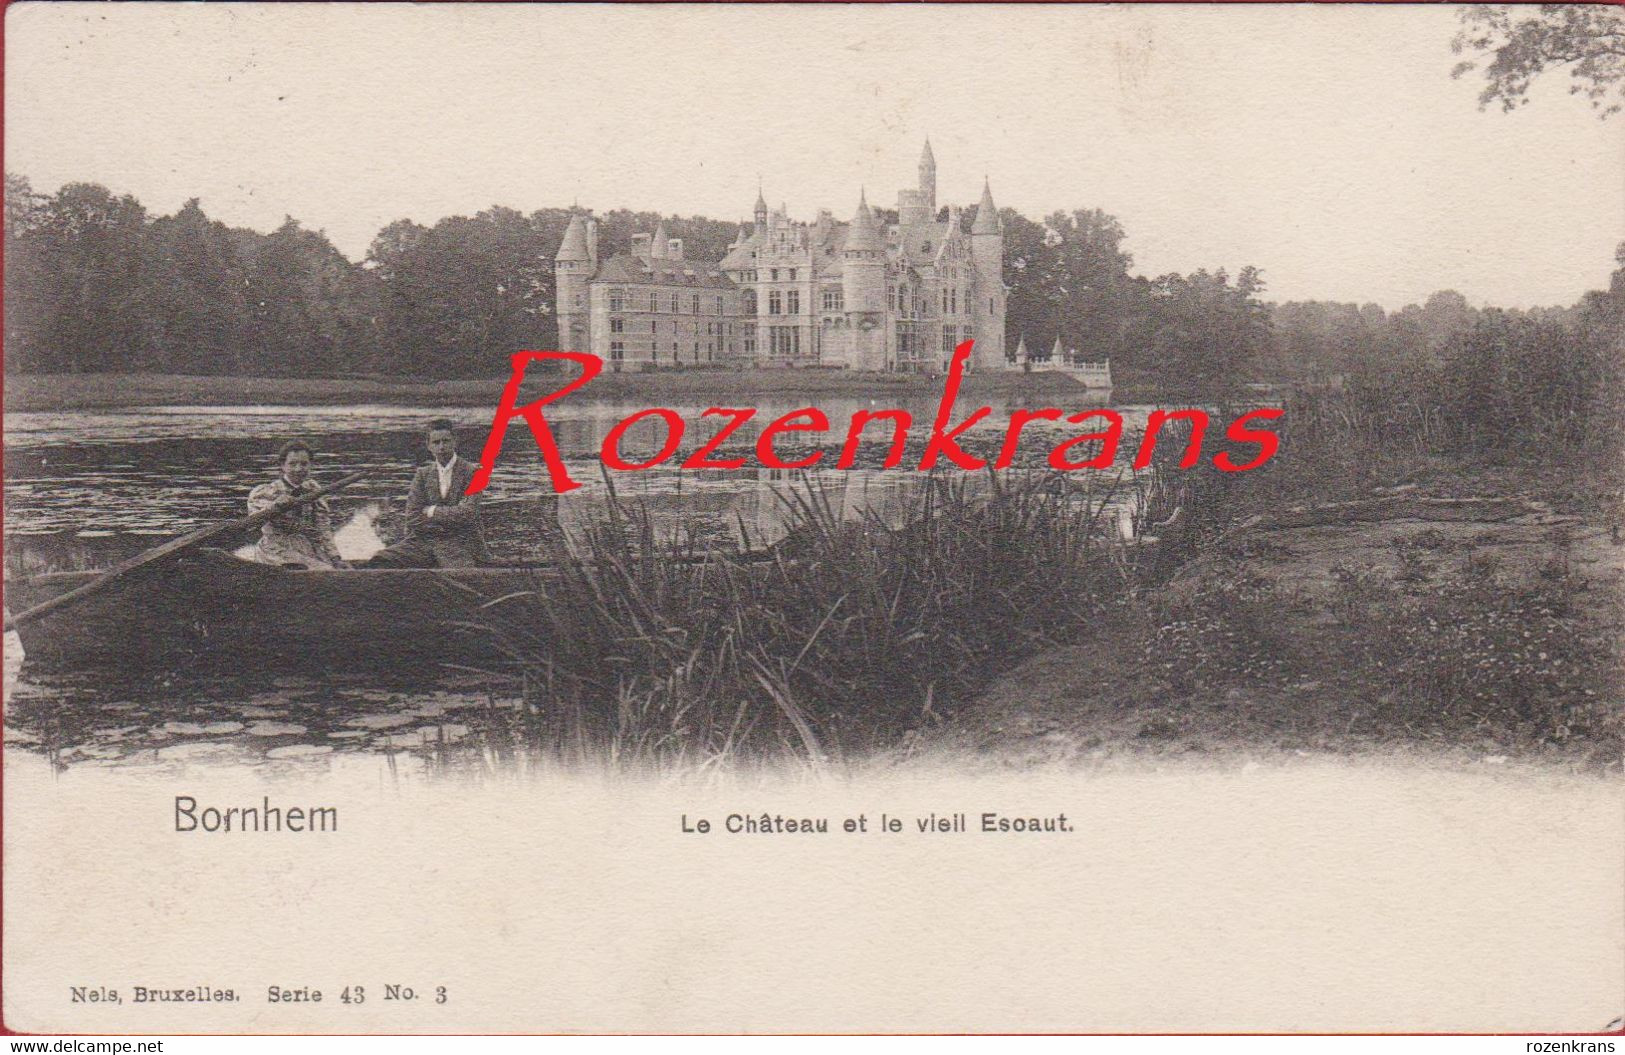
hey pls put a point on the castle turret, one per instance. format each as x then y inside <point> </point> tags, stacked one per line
<point>658,248</point>
<point>573,266</point>
<point>928,180</point>
<point>761,212</point>
<point>863,289</point>
<point>987,252</point>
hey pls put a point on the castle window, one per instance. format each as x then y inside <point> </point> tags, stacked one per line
<point>792,274</point>
<point>654,325</point>
<point>617,351</point>
<point>694,304</point>
<point>719,305</point>
<point>786,341</point>
<point>749,302</point>
<point>774,272</point>
<point>990,305</point>
<point>617,325</point>
<point>675,303</point>
<point>954,300</point>
<point>793,301</point>
<point>617,300</point>
<point>775,302</point>
<point>833,299</point>
<point>950,338</point>
<point>750,344</point>
<point>654,300</point>
<point>925,247</point>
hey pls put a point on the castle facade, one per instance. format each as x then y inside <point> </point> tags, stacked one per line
<point>860,295</point>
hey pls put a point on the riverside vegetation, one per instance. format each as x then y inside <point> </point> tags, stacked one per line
<point>1411,571</point>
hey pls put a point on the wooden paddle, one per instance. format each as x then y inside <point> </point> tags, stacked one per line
<point>174,546</point>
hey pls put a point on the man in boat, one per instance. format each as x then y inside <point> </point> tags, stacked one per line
<point>442,521</point>
<point>302,536</point>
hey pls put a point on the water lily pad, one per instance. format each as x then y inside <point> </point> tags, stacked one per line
<point>380,721</point>
<point>275,729</point>
<point>101,751</point>
<point>195,749</point>
<point>298,750</point>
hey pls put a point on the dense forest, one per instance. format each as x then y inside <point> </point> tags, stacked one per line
<point>94,283</point>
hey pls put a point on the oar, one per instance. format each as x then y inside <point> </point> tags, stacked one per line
<point>174,546</point>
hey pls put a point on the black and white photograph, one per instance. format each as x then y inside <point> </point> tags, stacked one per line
<point>813,518</point>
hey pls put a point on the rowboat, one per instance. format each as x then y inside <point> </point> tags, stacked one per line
<point>210,609</point>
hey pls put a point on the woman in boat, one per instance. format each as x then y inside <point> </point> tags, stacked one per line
<point>302,536</point>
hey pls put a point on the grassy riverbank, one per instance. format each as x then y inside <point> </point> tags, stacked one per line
<point>1331,604</point>
<point>51,392</point>
<point>1368,592</point>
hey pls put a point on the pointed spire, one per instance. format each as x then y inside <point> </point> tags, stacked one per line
<point>761,198</point>
<point>1021,348</point>
<point>574,246</point>
<point>926,157</point>
<point>657,250</point>
<point>987,214</point>
<point>1056,354</point>
<point>863,235</point>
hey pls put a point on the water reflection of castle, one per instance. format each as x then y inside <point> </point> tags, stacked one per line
<point>753,508</point>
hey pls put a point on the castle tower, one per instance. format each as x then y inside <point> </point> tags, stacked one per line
<point>987,252</point>
<point>863,288</point>
<point>658,249</point>
<point>574,265</point>
<point>761,212</point>
<point>928,180</point>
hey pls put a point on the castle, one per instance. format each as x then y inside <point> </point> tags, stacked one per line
<point>857,295</point>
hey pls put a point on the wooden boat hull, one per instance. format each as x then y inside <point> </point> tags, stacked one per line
<point>210,609</point>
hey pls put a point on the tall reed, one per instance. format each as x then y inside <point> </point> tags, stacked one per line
<point>841,639</point>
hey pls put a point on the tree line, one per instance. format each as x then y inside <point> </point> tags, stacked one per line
<point>95,283</point>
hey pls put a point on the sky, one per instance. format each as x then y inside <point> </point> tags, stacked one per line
<point>1327,145</point>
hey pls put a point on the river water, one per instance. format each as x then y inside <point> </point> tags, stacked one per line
<point>84,489</point>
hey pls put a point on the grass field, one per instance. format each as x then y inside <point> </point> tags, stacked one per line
<point>46,392</point>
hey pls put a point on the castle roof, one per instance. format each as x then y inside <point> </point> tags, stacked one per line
<point>926,157</point>
<point>739,254</point>
<point>574,246</point>
<point>657,248</point>
<point>987,215</point>
<point>630,270</point>
<point>921,242</point>
<point>864,235</point>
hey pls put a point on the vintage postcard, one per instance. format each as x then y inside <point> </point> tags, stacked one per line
<point>813,518</point>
